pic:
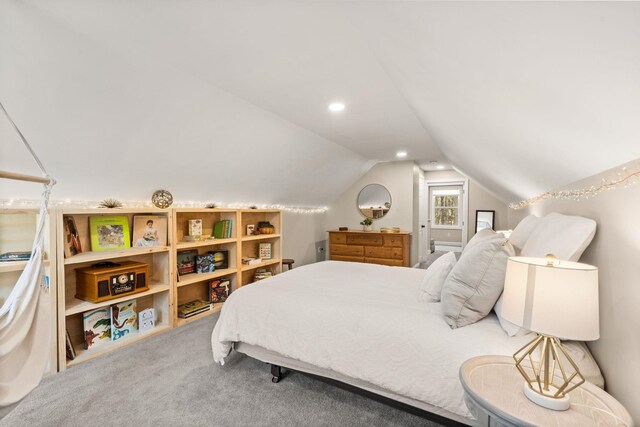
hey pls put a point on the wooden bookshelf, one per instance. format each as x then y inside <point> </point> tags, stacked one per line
<point>159,295</point>
<point>166,290</point>
<point>189,287</point>
<point>17,231</point>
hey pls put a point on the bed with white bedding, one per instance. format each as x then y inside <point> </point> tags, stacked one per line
<point>364,324</point>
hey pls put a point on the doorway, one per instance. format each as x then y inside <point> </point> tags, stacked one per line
<point>447,207</point>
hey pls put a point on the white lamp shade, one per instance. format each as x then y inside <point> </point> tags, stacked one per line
<point>559,300</point>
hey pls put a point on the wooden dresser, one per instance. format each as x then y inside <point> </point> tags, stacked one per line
<point>370,246</point>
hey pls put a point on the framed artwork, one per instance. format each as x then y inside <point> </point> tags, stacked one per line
<point>109,233</point>
<point>149,230</point>
<point>251,229</point>
<point>264,250</point>
<point>485,219</point>
<point>72,245</point>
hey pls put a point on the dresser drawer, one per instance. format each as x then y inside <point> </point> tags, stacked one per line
<point>340,238</point>
<point>383,252</point>
<point>350,250</point>
<point>347,258</point>
<point>393,240</point>
<point>383,261</point>
<point>364,239</point>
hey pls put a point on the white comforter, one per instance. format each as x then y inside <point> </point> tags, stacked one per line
<point>363,321</point>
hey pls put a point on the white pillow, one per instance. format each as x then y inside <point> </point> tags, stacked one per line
<point>511,329</point>
<point>523,230</point>
<point>480,236</point>
<point>564,236</point>
<point>431,285</point>
<point>476,281</point>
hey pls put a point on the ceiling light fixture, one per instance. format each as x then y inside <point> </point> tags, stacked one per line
<point>337,106</point>
<point>440,167</point>
<point>401,154</point>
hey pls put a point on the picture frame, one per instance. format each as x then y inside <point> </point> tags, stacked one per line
<point>186,261</point>
<point>109,233</point>
<point>72,244</point>
<point>265,250</point>
<point>485,219</point>
<point>251,229</point>
<point>149,231</point>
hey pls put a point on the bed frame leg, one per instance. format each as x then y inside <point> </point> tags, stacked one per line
<point>276,371</point>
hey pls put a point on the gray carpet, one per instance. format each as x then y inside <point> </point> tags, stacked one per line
<point>170,379</point>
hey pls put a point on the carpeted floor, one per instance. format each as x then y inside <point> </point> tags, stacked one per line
<point>171,380</point>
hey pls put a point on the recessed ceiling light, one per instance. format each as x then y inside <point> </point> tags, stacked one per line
<point>440,167</point>
<point>336,106</point>
<point>401,154</point>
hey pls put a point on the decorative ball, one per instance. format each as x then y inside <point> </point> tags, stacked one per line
<point>162,199</point>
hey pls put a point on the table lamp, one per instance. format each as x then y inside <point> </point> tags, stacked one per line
<point>557,300</point>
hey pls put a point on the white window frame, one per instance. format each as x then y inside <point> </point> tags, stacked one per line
<point>465,205</point>
<point>432,216</point>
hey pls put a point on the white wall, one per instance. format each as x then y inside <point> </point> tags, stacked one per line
<point>398,178</point>
<point>614,250</point>
<point>300,232</point>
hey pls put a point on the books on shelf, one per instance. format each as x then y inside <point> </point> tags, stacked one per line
<point>187,262</point>
<point>205,263</point>
<point>251,261</point>
<point>195,227</point>
<point>219,290</point>
<point>96,327</point>
<point>220,259</point>
<point>109,233</point>
<point>71,352</point>
<point>15,256</point>
<point>261,274</point>
<point>223,229</point>
<point>193,308</point>
<point>124,319</point>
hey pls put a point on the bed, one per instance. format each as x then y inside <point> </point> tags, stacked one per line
<point>364,325</point>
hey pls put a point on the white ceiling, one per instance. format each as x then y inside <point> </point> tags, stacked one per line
<point>522,97</point>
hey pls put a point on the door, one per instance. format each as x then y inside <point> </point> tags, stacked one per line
<point>448,214</point>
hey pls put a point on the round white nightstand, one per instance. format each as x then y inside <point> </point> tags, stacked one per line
<point>494,394</point>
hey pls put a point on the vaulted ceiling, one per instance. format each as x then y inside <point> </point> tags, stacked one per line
<point>227,100</point>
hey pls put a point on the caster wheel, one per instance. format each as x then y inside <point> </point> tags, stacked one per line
<point>275,379</point>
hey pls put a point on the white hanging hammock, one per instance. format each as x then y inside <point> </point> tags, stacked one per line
<point>25,317</point>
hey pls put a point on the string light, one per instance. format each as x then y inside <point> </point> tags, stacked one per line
<point>622,178</point>
<point>87,204</point>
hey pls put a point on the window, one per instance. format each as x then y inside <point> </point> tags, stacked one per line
<point>445,208</point>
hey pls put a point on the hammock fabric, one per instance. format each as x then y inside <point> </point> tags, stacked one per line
<point>25,322</point>
<point>25,317</point>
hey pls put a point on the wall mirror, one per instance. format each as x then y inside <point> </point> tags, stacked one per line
<point>485,219</point>
<point>374,201</point>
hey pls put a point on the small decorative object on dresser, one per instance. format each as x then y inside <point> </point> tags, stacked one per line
<point>109,233</point>
<point>494,395</point>
<point>367,224</point>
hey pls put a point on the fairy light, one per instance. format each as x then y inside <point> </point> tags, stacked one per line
<point>622,177</point>
<point>192,204</point>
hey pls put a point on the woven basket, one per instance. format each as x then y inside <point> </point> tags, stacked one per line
<point>267,230</point>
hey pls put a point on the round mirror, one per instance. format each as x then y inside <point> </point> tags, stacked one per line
<point>374,201</point>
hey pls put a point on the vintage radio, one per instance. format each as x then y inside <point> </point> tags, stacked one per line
<point>105,281</point>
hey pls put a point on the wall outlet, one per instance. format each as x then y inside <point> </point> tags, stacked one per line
<point>321,249</point>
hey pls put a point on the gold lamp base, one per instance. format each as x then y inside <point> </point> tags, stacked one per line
<point>543,364</point>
